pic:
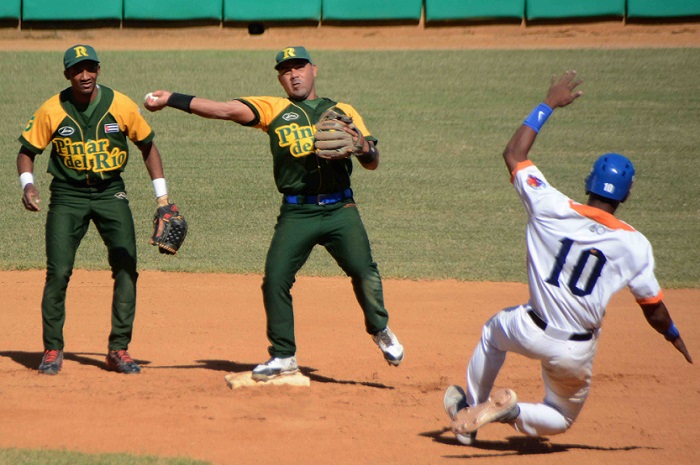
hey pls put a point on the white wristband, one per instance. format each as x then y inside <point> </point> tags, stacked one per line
<point>26,178</point>
<point>160,187</point>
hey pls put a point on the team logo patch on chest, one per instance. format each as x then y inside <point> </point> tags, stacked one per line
<point>66,131</point>
<point>291,116</point>
<point>535,183</point>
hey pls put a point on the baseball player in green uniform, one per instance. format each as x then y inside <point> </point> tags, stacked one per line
<point>317,202</point>
<point>87,127</point>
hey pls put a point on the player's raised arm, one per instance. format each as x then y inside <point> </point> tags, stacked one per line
<point>232,110</point>
<point>561,93</point>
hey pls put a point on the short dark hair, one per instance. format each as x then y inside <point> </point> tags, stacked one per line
<point>600,198</point>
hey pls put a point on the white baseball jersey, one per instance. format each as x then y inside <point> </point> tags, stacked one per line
<point>579,256</point>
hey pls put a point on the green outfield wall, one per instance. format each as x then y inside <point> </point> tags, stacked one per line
<point>26,12</point>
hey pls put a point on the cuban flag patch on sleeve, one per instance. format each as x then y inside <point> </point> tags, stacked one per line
<point>111,127</point>
<point>535,183</point>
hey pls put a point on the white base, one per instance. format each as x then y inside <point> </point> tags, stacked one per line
<point>245,379</point>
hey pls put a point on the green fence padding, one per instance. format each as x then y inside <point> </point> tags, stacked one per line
<point>354,10</point>
<point>173,9</point>
<point>272,10</point>
<point>71,10</point>
<point>552,9</point>
<point>662,9</point>
<point>440,10</point>
<point>10,9</point>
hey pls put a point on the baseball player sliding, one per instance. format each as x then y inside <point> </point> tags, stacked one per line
<point>578,257</point>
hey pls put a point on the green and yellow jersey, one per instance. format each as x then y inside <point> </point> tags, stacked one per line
<point>290,126</point>
<point>88,146</point>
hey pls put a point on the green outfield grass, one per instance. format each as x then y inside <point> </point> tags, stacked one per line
<point>440,205</point>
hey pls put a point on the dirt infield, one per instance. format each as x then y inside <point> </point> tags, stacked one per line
<point>358,410</point>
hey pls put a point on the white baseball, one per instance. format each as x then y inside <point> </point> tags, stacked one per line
<point>150,97</point>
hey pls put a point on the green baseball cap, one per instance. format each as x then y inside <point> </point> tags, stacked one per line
<point>78,53</point>
<point>292,53</point>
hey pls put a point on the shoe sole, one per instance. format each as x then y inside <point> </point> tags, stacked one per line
<point>467,439</point>
<point>455,400</point>
<point>116,369</point>
<point>264,377</point>
<point>471,419</point>
<point>394,362</point>
<point>49,371</point>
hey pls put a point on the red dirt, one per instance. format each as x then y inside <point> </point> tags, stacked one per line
<point>594,35</point>
<point>358,410</point>
<point>642,410</point>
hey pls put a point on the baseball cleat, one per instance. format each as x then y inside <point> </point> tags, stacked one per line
<point>51,362</point>
<point>390,346</point>
<point>468,439</point>
<point>455,400</point>
<point>276,366</point>
<point>121,361</point>
<point>502,407</point>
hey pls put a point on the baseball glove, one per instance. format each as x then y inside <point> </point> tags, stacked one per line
<point>332,141</point>
<point>169,229</point>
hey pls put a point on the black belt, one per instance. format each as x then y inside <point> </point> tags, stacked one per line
<point>572,337</point>
<point>320,199</point>
<point>99,184</point>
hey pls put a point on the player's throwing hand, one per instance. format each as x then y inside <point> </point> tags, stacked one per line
<point>156,100</point>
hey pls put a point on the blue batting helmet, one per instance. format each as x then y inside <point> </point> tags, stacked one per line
<point>611,177</point>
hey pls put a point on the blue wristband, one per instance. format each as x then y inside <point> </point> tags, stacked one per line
<point>538,117</point>
<point>672,333</point>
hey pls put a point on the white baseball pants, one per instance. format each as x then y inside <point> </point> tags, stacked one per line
<point>566,370</point>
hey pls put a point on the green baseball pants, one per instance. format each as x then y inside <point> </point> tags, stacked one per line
<point>70,212</point>
<point>340,230</point>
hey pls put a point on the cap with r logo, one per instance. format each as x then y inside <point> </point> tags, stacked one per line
<point>292,53</point>
<point>78,53</point>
